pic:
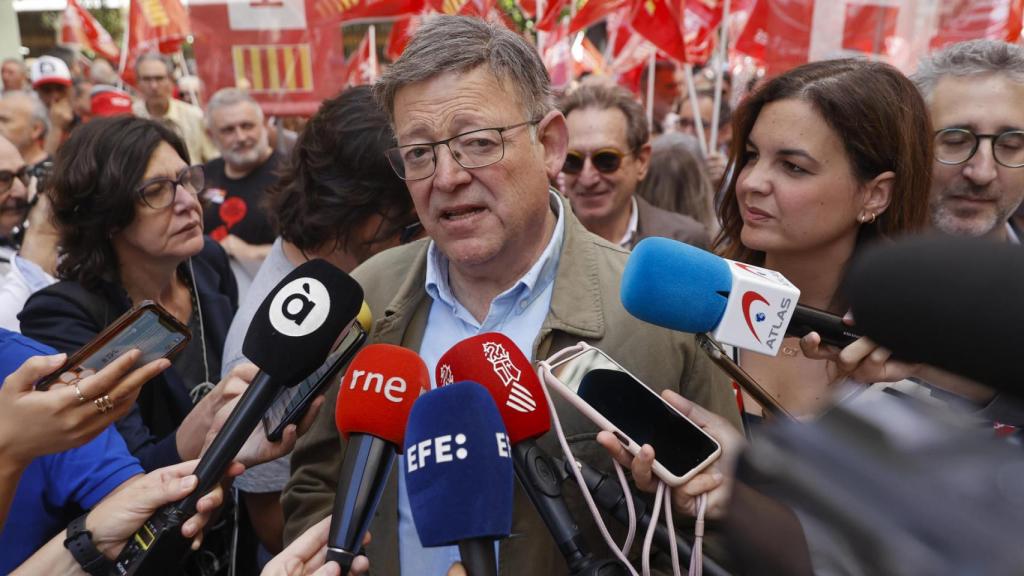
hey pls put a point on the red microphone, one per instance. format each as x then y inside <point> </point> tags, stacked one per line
<point>494,360</point>
<point>374,401</point>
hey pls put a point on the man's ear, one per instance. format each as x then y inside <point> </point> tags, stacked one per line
<point>643,158</point>
<point>553,134</point>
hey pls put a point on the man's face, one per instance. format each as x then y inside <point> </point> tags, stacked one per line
<point>16,122</point>
<point>705,106</point>
<point>977,197</point>
<point>13,201</point>
<point>154,81</point>
<point>600,197</point>
<point>491,219</point>
<point>666,91</point>
<point>239,134</point>
<point>13,76</point>
<point>52,92</point>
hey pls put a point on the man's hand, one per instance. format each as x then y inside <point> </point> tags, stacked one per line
<point>306,556</point>
<point>257,448</point>
<point>715,480</point>
<point>191,434</point>
<point>35,422</point>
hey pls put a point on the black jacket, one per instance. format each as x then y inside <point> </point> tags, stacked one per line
<point>60,316</point>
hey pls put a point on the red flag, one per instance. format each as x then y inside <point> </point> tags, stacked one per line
<point>79,27</point>
<point>658,22</point>
<point>401,31</point>
<point>378,9</point>
<point>552,15</point>
<point>700,22</point>
<point>592,12</point>
<point>970,19</point>
<point>778,33</point>
<point>362,67</point>
<point>154,25</point>
<point>529,7</point>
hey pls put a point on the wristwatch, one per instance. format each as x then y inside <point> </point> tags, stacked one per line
<point>79,543</point>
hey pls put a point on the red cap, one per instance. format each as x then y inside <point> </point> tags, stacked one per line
<point>378,391</point>
<point>111,103</point>
<point>494,360</point>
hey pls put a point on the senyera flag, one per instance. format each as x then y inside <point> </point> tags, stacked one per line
<point>78,27</point>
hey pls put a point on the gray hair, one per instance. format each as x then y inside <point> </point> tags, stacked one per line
<point>972,58</point>
<point>40,115</point>
<point>156,57</point>
<point>229,97</point>
<point>18,61</point>
<point>446,43</point>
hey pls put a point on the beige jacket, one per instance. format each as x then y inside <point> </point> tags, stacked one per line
<point>187,121</point>
<point>584,306</point>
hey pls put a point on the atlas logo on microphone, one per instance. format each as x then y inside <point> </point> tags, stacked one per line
<point>300,307</point>
<point>519,397</point>
<point>778,328</point>
<point>760,305</point>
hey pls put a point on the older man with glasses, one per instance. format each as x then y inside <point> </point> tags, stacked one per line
<point>154,76</point>
<point>974,92</point>
<point>479,141</point>
<point>609,153</point>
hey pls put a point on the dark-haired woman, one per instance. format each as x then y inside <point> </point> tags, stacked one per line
<point>829,156</point>
<point>125,204</point>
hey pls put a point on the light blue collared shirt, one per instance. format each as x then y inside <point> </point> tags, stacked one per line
<point>517,313</point>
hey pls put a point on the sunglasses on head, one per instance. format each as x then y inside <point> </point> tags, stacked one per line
<point>605,161</point>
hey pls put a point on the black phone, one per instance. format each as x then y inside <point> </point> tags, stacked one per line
<point>147,327</point>
<point>293,401</point>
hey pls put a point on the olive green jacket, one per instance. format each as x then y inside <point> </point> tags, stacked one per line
<point>585,306</point>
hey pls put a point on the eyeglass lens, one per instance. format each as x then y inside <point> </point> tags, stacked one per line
<point>160,193</point>
<point>471,150</point>
<point>604,161</point>
<point>956,146</point>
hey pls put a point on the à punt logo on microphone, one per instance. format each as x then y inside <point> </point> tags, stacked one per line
<point>519,397</point>
<point>300,307</point>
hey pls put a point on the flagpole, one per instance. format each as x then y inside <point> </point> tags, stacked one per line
<point>698,122</point>
<point>373,53</point>
<point>124,47</point>
<point>540,34</point>
<point>723,61</point>
<point>651,65</point>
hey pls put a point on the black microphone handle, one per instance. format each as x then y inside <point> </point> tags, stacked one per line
<point>541,481</point>
<point>478,557</point>
<point>608,495</point>
<point>255,401</point>
<point>829,326</point>
<point>364,474</point>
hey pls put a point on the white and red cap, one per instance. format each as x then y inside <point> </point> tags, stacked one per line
<point>50,70</point>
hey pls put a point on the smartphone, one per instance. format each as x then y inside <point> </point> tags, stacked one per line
<point>147,327</point>
<point>292,402</point>
<point>616,401</point>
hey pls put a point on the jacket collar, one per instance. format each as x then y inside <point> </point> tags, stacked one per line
<point>575,300</point>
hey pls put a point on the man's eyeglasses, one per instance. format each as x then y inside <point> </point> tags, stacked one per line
<point>153,79</point>
<point>605,161</point>
<point>159,193</point>
<point>7,178</point>
<point>473,149</point>
<point>958,145</point>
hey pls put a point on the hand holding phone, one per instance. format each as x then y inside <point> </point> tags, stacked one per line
<point>634,414</point>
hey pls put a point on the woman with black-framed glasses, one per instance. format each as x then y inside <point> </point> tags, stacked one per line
<point>125,203</point>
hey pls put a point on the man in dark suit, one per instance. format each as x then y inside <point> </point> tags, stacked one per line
<point>609,152</point>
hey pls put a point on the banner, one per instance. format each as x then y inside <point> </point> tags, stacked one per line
<point>272,47</point>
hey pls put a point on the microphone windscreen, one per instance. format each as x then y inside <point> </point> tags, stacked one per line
<point>294,328</point>
<point>675,285</point>
<point>928,299</point>
<point>458,466</point>
<point>494,361</point>
<point>379,388</point>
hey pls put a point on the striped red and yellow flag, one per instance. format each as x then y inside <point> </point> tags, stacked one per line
<point>274,67</point>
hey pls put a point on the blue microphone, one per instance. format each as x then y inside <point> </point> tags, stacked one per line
<point>458,469</point>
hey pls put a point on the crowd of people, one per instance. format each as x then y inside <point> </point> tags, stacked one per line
<point>465,197</point>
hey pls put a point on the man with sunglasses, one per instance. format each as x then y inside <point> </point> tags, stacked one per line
<point>609,152</point>
<point>974,92</point>
<point>29,265</point>
<point>479,141</point>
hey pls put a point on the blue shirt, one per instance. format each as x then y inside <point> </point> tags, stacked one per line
<point>517,313</point>
<point>57,487</point>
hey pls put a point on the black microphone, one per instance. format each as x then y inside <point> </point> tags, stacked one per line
<point>290,335</point>
<point>924,298</point>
